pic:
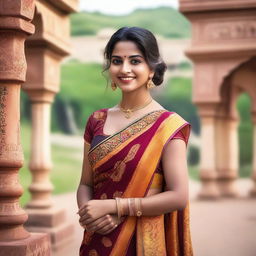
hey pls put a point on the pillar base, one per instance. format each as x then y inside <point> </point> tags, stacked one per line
<point>252,192</point>
<point>35,245</point>
<point>209,191</point>
<point>227,187</point>
<point>52,221</point>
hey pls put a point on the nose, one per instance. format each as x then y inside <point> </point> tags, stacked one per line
<point>126,68</point>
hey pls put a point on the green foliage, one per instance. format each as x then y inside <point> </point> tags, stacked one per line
<point>245,129</point>
<point>84,87</point>
<point>177,97</point>
<point>193,155</point>
<point>164,21</point>
<point>185,65</point>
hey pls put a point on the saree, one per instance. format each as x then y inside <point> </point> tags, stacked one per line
<point>125,165</point>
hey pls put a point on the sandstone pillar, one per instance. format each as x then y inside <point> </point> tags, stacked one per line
<point>41,89</point>
<point>208,172</point>
<point>227,156</point>
<point>45,51</point>
<point>15,26</point>
<point>40,162</point>
<point>253,190</point>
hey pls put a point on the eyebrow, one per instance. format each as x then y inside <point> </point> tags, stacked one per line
<point>132,56</point>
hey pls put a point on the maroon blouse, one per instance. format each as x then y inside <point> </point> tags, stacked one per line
<point>94,128</point>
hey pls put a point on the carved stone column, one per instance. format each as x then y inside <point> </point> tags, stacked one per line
<point>253,190</point>
<point>14,29</point>
<point>227,155</point>
<point>208,172</point>
<point>43,215</point>
<point>45,51</point>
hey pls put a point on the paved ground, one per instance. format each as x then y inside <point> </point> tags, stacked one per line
<point>225,227</point>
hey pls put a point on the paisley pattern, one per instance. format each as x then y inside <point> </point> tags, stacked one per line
<point>93,253</point>
<point>106,241</point>
<point>151,236</point>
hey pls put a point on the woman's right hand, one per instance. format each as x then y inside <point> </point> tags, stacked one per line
<point>103,225</point>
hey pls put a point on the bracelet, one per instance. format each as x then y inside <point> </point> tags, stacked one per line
<point>118,208</point>
<point>138,207</point>
<point>129,206</point>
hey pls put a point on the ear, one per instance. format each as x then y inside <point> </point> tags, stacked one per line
<point>151,74</point>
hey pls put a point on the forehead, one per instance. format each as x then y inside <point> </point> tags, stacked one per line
<point>126,48</point>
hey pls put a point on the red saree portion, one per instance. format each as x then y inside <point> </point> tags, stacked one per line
<point>124,165</point>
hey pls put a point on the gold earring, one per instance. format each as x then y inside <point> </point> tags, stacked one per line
<point>150,84</point>
<point>113,86</point>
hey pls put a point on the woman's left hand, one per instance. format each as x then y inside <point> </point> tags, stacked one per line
<point>95,209</point>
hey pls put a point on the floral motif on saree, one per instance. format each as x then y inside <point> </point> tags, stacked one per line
<point>125,165</point>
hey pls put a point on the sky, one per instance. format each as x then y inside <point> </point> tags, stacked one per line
<point>120,7</point>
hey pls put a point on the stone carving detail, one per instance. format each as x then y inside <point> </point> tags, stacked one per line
<point>230,30</point>
<point>10,208</point>
<point>3,95</point>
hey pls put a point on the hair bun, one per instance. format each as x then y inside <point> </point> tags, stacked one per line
<point>159,73</point>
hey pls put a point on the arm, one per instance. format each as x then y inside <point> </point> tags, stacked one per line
<point>104,224</point>
<point>176,176</point>
<point>84,191</point>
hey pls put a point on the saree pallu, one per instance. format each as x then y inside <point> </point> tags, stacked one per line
<point>124,165</point>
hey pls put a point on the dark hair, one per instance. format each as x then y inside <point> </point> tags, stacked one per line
<point>147,44</point>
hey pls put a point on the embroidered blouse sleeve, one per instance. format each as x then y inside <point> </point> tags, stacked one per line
<point>89,130</point>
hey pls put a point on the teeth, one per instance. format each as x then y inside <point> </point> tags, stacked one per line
<point>126,78</point>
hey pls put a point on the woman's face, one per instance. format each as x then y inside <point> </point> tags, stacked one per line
<point>128,68</point>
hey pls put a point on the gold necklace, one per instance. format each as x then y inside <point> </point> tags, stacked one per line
<point>128,111</point>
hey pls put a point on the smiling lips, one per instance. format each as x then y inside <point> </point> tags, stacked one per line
<point>126,79</point>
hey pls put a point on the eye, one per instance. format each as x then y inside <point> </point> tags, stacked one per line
<point>135,61</point>
<point>116,61</point>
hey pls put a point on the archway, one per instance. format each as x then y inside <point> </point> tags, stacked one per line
<point>222,49</point>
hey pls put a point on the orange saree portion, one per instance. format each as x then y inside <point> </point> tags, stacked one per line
<point>124,165</point>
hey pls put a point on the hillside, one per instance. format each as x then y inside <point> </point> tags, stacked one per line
<point>164,21</point>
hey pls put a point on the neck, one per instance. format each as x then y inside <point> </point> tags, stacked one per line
<point>134,99</point>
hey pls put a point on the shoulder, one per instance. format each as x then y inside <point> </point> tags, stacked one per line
<point>98,115</point>
<point>175,117</point>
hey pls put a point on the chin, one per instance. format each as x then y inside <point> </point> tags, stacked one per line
<point>127,88</point>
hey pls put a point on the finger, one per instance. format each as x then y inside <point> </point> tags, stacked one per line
<point>95,226</point>
<point>100,222</point>
<point>82,209</point>
<point>93,222</point>
<point>110,230</point>
<point>107,227</point>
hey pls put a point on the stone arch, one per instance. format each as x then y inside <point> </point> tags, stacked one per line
<point>223,51</point>
<point>239,80</point>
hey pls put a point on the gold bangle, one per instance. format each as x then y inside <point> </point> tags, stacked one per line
<point>121,206</point>
<point>131,202</point>
<point>138,209</point>
<point>118,207</point>
<point>129,207</point>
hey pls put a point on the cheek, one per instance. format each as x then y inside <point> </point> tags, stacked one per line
<point>112,71</point>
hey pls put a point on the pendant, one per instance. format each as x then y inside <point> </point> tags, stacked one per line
<point>128,113</point>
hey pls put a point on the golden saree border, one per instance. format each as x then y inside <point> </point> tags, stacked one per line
<point>124,236</point>
<point>142,176</point>
<point>150,236</point>
<point>144,170</point>
<point>111,145</point>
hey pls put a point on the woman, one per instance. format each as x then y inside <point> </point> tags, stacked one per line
<point>133,194</point>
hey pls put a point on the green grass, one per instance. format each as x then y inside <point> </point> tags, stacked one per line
<point>66,171</point>
<point>164,21</point>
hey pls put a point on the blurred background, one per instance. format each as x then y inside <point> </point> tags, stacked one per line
<point>84,88</point>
